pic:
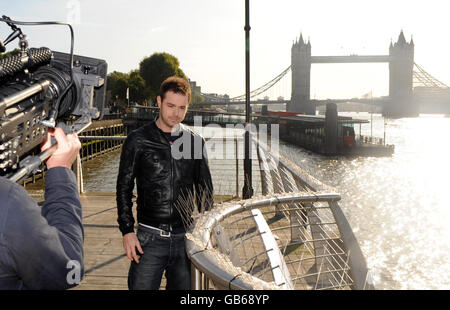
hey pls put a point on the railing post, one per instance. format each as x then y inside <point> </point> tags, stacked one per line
<point>237,166</point>
<point>196,278</point>
<point>296,216</point>
<point>205,283</point>
<point>277,183</point>
<point>262,169</point>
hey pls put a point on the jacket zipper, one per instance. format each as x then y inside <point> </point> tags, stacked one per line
<point>171,179</point>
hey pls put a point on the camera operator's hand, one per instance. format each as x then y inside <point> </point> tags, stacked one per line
<point>67,148</point>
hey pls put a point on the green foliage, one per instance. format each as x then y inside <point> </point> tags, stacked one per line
<point>136,83</point>
<point>156,68</point>
<point>144,83</point>
<point>117,83</point>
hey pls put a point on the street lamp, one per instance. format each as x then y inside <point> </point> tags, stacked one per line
<point>247,191</point>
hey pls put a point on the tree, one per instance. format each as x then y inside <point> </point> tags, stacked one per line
<point>144,83</point>
<point>117,83</point>
<point>136,83</point>
<point>156,68</point>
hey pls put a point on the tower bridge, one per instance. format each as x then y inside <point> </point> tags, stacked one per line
<point>411,89</point>
<point>350,59</point>
<point>401,63</point>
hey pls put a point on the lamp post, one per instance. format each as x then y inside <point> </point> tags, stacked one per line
<point>247,191</point>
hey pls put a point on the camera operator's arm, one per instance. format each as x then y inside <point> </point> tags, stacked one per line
<point>44,245</point>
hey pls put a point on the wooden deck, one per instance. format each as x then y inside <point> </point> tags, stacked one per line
<point>106,266</point>
<point>105,263</point>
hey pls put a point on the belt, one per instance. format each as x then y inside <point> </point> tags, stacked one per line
<point>165,230</point>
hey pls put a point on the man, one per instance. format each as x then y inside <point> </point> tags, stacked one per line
<point>43,248</point>
<point>166,185</point>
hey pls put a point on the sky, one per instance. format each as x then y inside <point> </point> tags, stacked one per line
<point>208,38</point>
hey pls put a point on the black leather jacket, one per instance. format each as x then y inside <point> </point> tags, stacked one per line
<point>166,184</point>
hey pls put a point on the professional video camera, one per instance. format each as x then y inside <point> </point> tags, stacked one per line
<point>41,89</point>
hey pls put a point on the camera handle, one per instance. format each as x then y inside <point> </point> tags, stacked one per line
<point>32,164</point>
<point>17,32</point>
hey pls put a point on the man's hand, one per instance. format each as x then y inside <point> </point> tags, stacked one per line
<point>130,244</point>
<point>67,148</point>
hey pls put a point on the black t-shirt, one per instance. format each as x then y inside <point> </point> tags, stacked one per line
<point>169,135</point>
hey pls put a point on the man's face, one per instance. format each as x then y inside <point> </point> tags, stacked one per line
<point>172,109</point>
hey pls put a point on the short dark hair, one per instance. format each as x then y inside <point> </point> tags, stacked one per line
<point>177,85</point>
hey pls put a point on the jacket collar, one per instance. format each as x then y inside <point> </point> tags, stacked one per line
<point>152,127</point>
<point>181,127</point>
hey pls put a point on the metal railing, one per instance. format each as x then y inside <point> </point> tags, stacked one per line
<point>295,236</point>
<point>207,259</point>
<point>370,139</point>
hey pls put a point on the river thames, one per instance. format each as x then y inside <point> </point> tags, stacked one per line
<point>398,206</point>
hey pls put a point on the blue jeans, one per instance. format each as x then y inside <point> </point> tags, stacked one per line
<point>160,254</point>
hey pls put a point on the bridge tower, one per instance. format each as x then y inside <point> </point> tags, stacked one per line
<point>301,78</point>
<point>401,79</point>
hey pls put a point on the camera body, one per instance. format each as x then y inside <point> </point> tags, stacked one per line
<point>35,84</point>
<point>90,80</point>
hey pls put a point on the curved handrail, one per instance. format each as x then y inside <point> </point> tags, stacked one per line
<point>215,265</point>
<point>357,262</point>
<point>345,260</point>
